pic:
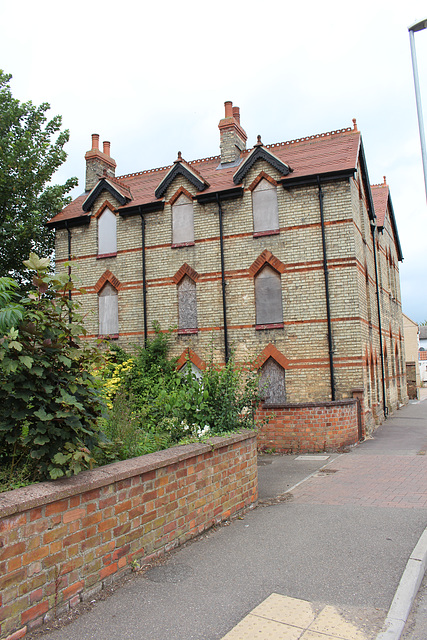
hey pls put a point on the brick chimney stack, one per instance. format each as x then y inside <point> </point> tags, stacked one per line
<point>98,163</point>
<point>232,136</point>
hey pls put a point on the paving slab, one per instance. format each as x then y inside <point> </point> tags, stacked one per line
<point>281,617</point>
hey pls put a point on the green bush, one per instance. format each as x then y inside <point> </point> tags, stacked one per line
<point>153,406</point>
<point>50,399</point>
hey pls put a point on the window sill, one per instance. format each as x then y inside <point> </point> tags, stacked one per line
<point>182,244</point>
<point>261,234</point>
<point>273,405</point>
<point>185,332</point>
<point>110,336</point>
<point>276,325</point>
<point>101,256</point>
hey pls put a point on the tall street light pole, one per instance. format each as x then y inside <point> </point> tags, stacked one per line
<point>419,26</point>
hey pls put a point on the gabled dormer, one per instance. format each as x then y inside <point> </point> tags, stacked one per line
<point>181,168</point>
<point>113,187</point>
<point>259,152</point>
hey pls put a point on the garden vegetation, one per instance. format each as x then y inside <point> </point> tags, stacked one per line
<point>66,405</point>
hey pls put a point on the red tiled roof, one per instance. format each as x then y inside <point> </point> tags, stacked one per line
<point>380,193</point>
<point>319,154</point>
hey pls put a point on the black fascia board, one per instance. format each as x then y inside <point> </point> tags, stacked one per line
<point>176,170</point>
<point>136,210</point>
<point>102,184</point>
<point>227,194</point>
<point>259,153</point>
<point>365,177</point>
<point>312,179</point>
<point>69,222</point>
<point>394,227</point>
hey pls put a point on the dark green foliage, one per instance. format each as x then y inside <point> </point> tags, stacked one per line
<point>50,401</point>
<point>31,151</point>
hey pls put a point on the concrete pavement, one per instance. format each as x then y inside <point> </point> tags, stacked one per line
<point>337,547</point>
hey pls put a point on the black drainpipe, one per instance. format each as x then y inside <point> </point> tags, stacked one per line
<point>328,308</point>
<point>144,278</point>
<point>377,291</point>
<point>69,266</point>
<point>224,306</point>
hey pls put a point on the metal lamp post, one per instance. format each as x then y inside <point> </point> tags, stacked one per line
<point>419,26</point>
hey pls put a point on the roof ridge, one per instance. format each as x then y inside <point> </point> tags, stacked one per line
<point>315,136</point>
<point>274,145</point>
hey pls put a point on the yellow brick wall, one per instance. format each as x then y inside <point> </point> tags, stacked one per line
<point>303,339</point>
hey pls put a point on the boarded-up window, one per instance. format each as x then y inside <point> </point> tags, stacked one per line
<point>107,232</point>
<point>272,383</point>
<point>264,205</point>
<point>268,297</point>
<point>187,305</point>
<point>108,310</point>
<point>182,221</point>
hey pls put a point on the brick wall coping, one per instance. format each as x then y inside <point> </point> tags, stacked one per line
<point>310,405</point>
<point>19,500</point>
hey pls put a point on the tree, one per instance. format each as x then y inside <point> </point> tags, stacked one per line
<point>30,153</point>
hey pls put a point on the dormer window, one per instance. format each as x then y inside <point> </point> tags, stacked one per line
<point>107,233</point>
<point>182,222</point>
<point>265,208</point>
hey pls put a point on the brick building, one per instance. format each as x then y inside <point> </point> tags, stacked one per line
<point>283,253</point>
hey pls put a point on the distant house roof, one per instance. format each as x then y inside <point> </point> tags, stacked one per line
<point>325,154</point>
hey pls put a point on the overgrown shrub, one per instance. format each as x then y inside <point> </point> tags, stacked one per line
<point>154,406</point>
<point>50,399</point>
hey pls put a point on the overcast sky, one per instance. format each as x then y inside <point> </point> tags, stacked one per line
<point>152,79</point>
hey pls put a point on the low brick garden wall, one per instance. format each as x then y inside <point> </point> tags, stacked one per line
<point>62,541</point>
<point>310,427</point>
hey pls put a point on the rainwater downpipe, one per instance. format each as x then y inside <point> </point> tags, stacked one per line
<point>69,266</point>
<point>144,278</point>
<point>377,291</point>
<point>328,308</point>
<point>224,305</point>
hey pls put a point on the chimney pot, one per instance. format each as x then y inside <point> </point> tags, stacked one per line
<point>228,109</point>
<point>236,114</point>
<point>106,147</point>
<point>95,141</point>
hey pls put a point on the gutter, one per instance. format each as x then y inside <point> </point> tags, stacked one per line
<point>144,277</point>
<point>224,304</point>
<point>377,292</point>
<point>69,267</point>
